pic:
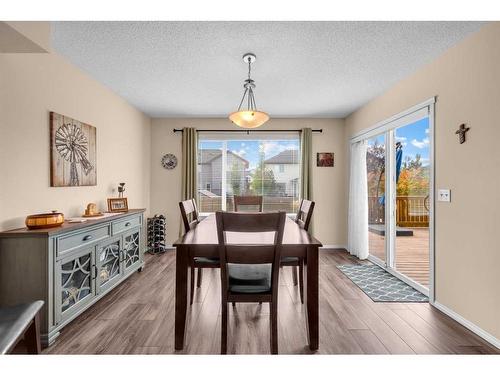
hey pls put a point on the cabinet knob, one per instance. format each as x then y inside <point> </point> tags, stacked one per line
<point>127,224</point>
<point>87,237</point>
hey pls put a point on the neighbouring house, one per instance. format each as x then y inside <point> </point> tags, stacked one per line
<point>285,167</point>
<point>210,172</point>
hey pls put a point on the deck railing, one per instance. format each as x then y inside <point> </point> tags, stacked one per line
<point>411,211</point>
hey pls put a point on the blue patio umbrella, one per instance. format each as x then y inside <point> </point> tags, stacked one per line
<point>399,159</point>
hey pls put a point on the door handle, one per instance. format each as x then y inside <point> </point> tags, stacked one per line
<point>94,271</point>
<point>87,237</point>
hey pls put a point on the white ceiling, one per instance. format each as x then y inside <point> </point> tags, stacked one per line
<point>303,69</point>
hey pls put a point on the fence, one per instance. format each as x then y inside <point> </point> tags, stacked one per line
<point>287,204</point>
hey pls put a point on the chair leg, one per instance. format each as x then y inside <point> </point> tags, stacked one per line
<point>192,284</point>
<point>274,327</point>
<point>223,337</point>
<point>198,282</point>
<point>294,275</point>
<point>301,280</point>
<point>32,336</point>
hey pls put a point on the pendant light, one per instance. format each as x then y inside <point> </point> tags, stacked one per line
<point>250,117</point>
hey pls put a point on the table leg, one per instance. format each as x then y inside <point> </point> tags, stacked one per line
<point>312,296</point>
<point>181,294</point>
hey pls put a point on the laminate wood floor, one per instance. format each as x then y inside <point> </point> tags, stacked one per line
<point>138,318</point>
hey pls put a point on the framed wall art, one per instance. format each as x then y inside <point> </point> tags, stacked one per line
<point>73,153</point>
<point>324,159</point>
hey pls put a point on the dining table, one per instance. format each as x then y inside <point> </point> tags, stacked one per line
<point>202,241</point>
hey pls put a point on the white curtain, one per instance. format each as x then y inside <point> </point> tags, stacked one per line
<point>357,239</point>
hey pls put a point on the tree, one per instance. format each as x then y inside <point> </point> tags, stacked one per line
<point>413,163</point>
<point>263,181</point>
<point>414,178</point>
<point>375,168</point>
<point>236,179</point>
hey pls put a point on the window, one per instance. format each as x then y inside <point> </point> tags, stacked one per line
<point>266,164</point>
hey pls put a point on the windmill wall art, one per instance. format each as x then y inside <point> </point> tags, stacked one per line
<point>73,152</point>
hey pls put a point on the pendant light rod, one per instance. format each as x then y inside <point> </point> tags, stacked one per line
<point>250,117</point>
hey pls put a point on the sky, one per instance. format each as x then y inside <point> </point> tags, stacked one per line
<point>414,138</point>
<point>250,149</point>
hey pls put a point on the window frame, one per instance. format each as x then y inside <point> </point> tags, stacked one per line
<point>224,138</point>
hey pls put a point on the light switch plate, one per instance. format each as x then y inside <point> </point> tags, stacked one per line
<point>444,195</point>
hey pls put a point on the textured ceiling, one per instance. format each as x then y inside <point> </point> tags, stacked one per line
<point>303,69</point>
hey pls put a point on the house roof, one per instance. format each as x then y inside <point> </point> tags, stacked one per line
<point>206,156</point>
<point>284,157</point>
<point>208,193</point>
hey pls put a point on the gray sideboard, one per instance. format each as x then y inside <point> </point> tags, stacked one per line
<point>69,267</point>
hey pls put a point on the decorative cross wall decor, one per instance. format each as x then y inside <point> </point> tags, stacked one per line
<point>461,133</point>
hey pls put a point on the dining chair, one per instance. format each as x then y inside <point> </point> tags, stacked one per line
<point>247,200</point>
<point>250,273</point>
<point>190,218</point>
<point>303,219</point>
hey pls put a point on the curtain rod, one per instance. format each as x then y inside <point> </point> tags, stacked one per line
<point>250,130</point>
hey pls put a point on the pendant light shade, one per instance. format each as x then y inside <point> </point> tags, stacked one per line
<point>250,117</point>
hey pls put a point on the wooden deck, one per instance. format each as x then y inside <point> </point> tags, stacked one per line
<point>412,253</point>
<point>138,318</point>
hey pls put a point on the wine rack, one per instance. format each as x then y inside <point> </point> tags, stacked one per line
<point>156,234</point>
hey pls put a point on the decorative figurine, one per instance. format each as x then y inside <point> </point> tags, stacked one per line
<point>461,133</point>
<point>121,189</point>
<point>91,211</point>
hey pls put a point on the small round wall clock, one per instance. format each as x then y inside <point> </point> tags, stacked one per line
<point>169,161</point>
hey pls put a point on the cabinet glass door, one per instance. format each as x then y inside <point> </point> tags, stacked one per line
<point>76,284</point>
<point>108,265</point>
<point>131,249</point>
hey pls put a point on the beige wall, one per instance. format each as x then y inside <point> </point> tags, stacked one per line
<point>32,85</point>
<point>328,183</point>
<point>466,81</point>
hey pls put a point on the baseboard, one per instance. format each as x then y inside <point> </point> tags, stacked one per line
<point>334,247</point>
<point>167,247</point>
<point>474,328</point>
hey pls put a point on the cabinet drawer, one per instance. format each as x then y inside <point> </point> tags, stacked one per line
<point>75,241</point>
<point>129,223</point>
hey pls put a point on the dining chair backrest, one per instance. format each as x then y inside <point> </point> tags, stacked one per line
<point>304,215</point>
<point>189,213</point>
<point>261,253</point>
<point>247,200</point>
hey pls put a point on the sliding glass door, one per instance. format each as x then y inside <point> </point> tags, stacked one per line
<point>399,194</point>
<point>412,206</point>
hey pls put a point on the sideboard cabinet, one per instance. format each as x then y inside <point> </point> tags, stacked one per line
<point>69,267</point>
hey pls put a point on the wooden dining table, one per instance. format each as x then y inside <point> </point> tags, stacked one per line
<point>202,242</point>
